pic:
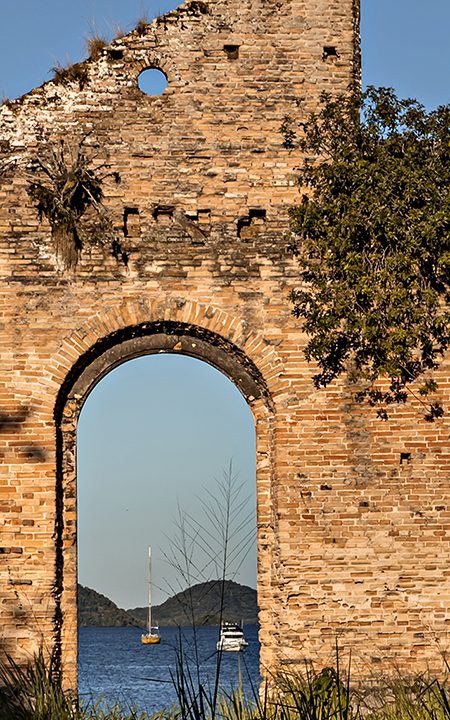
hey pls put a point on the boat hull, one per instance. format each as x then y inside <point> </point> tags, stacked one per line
<point>231,646</point>
<point>150,639</point>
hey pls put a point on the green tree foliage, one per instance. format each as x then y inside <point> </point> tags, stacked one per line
<point>372,234</point>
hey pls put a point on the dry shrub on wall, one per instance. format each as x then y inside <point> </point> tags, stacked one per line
<point>66,184</point>
<point>141,25</point>
<point>72,72</point>
<point>95,46</point>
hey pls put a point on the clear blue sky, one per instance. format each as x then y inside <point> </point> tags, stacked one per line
<point>405,42</point>
<point>153,435</point>
<point>159,429</point>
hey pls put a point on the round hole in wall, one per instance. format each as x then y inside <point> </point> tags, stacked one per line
<point>152,81</point>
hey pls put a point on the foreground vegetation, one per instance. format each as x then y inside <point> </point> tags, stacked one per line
<point>34,693</point>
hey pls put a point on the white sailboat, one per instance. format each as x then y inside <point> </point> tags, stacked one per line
<point>152,636</point>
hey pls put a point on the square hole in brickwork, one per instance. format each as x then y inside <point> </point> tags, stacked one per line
<point>250,225</point>
<point>329,52</point>
<point>231,51</point>
<point>405,458</point>
<point>115,53</point>
<point>131,222</point>
<point>163,214</point>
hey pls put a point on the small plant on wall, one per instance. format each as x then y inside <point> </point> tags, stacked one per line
<point>68,192</point>
<point>72,72</point>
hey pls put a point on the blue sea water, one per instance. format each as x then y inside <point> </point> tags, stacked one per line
<point>113,665</point>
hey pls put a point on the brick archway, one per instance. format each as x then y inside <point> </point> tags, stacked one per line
<point>119,345</point>
<point>353,513</point>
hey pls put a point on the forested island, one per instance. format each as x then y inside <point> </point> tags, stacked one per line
<point>199,605</point>
<point>94,609</point>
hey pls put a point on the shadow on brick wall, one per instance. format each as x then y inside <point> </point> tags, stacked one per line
<point>16,607</point>
<point>12,424</point>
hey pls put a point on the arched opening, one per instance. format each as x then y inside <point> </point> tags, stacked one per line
<point>108,353</point>
<point>154,444</point>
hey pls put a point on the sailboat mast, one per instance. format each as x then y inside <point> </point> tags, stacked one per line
<point>150,638</point>
<point>149,616</point>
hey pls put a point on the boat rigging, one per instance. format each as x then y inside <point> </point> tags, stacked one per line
<point>152,636</point>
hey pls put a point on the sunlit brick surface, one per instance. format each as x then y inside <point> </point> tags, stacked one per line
<point>353,512</point>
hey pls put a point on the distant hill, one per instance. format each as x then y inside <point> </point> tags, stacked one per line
<point>97,610</point>
<point>203,599</point>
<point>200,604</point>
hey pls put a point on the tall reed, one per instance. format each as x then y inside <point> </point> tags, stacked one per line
<point>33,691</point>
<point>211,545</point>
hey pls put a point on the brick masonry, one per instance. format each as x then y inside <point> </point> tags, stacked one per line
<point>353,512</point>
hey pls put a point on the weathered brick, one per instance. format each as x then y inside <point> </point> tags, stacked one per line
<point>202,211</point>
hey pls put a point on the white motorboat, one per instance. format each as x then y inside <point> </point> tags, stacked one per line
<point>231,638</point>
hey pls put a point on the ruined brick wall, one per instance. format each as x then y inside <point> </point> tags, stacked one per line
<point>190,256</point>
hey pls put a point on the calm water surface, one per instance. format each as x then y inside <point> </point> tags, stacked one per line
<point>113,665</point>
